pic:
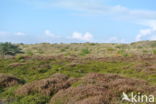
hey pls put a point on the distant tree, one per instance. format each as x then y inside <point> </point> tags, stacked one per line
<point>9,49</point>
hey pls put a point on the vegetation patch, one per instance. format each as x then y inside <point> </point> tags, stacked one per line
<point>32,76</point>
<point>101,89</point>
<point>47,86</point>
<point>8,80</point>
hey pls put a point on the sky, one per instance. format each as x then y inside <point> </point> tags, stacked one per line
<point>74,21</point>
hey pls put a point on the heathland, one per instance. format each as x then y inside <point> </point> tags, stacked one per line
<point>77,73</point>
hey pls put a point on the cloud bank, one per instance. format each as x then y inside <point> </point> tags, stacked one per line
<point>148,33</point>
<point>46,36</point>
<point>84,37</point>
<point>98,7</point>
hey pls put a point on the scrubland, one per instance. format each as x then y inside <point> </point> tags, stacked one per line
<point>77,73</point>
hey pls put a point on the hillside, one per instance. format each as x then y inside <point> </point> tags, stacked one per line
<point>91,49</point>
<point>78,73</point>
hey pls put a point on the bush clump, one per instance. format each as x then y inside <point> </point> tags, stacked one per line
<point>9,49</point>
<point>84,51</point>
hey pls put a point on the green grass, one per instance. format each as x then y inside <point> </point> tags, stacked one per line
<point>8,93</point>
<point>31,99</point>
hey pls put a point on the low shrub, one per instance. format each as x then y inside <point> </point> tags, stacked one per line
<point>100,89</point>
<point>47,86</point>
<point>84,51</point>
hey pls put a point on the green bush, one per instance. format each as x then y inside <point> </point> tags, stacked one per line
<point>85,51</point>
<point>9,49</point>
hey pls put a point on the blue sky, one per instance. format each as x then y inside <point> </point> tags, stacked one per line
<point>55,21</point>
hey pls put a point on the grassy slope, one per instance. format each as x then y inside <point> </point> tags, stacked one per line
<point>77,60</point>
<point>91,49</point>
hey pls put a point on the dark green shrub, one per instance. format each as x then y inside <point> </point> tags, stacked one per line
<point>9,49</point>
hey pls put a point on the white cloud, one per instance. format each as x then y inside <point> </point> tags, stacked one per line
<point>84,37</point>
<point>95,7</point>
<point>20,33</point>
<point>148,33</point>
<point>21,37</point>
<point>98,7</point>
<point>143,33</point>
<point>150,23</point>
<point>48,33</point>
<point>46,36</point>
<point>116,11</point>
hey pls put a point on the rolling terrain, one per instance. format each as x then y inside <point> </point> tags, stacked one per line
<point>78,73</point>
